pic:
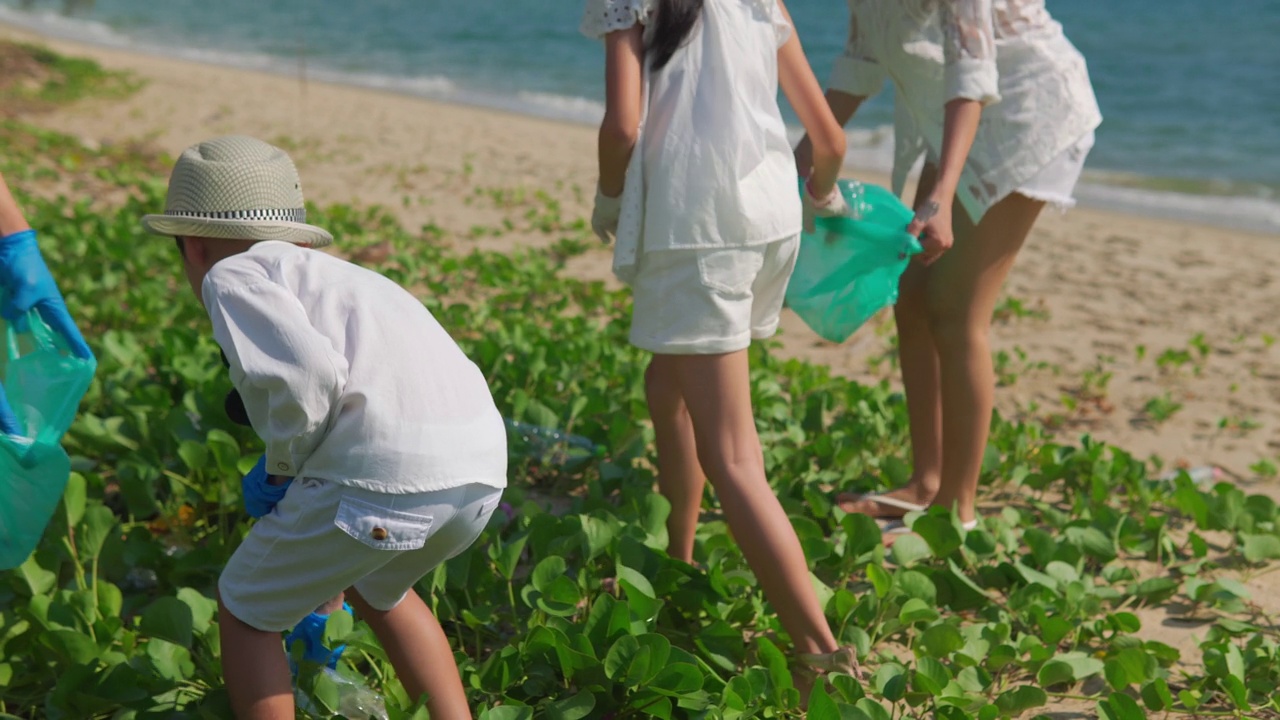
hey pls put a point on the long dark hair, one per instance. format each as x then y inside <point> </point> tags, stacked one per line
<point>675,20</point>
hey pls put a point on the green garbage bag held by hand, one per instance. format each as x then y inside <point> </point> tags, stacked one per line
<point>848,268</point>
<point>43,382</point>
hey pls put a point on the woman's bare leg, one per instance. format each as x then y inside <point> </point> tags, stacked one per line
<point>964,285</point>
<point>944,322</point>
<point>918,357</point>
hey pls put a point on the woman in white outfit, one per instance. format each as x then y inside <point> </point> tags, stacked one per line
<point>1000,103</point>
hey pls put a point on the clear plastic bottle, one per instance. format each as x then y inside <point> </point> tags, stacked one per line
<point>548,445</point>
<point>356,701</point>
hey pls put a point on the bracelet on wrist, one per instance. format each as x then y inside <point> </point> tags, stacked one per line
<point>823,201</point>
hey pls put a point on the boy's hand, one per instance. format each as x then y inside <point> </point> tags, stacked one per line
<point>263,491</point>
<point>234,407</point>
<point>311,633</point>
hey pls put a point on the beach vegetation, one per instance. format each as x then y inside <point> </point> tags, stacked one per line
<point>567,606</point>
<point>1012,308</point>
<point>1160,409</point>
<point>34,78</point>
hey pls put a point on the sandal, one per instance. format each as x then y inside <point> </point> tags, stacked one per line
<point>900,527</point>
<point>904,505</point>
<point>812,666</point>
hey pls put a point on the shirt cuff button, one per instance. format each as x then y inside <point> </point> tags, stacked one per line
<point>282,466</point>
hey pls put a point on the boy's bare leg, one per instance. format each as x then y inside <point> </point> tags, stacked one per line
<point>420,653</point>
<point>255,669</point>
<point>331,606</point>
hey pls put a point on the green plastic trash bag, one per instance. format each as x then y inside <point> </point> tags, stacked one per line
<point>848,268</point>
<point>34,478</point>
<point>44,384</point>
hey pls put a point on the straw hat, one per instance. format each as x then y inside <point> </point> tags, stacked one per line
<point>238,188</point>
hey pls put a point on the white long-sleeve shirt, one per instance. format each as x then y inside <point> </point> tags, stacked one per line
<point>347,377</point>
<point>1010,55</point>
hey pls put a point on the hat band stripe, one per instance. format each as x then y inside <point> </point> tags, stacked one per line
<point>298,215</point>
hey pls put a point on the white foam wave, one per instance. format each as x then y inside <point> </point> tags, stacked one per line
<point>50,23</point>
<point>1253,214</point>
<point>564,107</point>
<point>432,86</point>
<point>865,148</point>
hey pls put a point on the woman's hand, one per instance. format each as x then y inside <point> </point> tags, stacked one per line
<point>932,225</point>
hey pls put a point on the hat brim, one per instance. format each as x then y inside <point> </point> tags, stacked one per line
<point>282,230</point>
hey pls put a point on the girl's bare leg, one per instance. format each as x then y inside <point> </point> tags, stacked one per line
<point>717,394</point>
<point>680,477</point>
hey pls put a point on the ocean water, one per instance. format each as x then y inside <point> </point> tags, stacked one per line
<point>1190,91</point>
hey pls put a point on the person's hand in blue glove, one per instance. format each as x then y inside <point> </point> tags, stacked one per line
<point>311,632</point>
<point>260,495</point>
<point>8,420</point>
<point>27,285</point>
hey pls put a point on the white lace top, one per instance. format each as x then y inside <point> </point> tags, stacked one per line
<point>1008,54</point>
<point>713,166</point>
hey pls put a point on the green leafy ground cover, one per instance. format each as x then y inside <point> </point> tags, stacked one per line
<point>569,608</point>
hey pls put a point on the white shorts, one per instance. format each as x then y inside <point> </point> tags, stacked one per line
<point>323,538</point>
<point>1056,182</point>
<point>707,302</point>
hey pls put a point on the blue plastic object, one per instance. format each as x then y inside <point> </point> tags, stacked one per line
<point>28,286</point>
<point>260,496</point>
<point>848,268</point>
<point>310,631</point>
<point>43,383</point>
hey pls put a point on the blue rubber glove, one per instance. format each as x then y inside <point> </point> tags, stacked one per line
<point>311,632</point>
<point>8,420</point>
<point>27,284</point>
<point>260,496</point>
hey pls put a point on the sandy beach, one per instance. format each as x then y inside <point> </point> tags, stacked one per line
<point>1153,335</point>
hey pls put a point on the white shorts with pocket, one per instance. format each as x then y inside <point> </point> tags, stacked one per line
<point>323,538</point>
<point>707,302</point>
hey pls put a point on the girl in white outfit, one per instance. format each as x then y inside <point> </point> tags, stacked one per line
<point>697,184</point>
<point>999,102</point>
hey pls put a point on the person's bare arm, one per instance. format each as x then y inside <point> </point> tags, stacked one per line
<point>624,77</point>
<point>11,218</point>
<point>822,129</point>
<point>843,107</point>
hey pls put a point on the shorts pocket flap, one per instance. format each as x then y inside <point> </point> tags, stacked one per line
<point>381,528</point>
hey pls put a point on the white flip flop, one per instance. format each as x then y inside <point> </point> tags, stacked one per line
<point>898,527</point>
<point>893,502</point>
